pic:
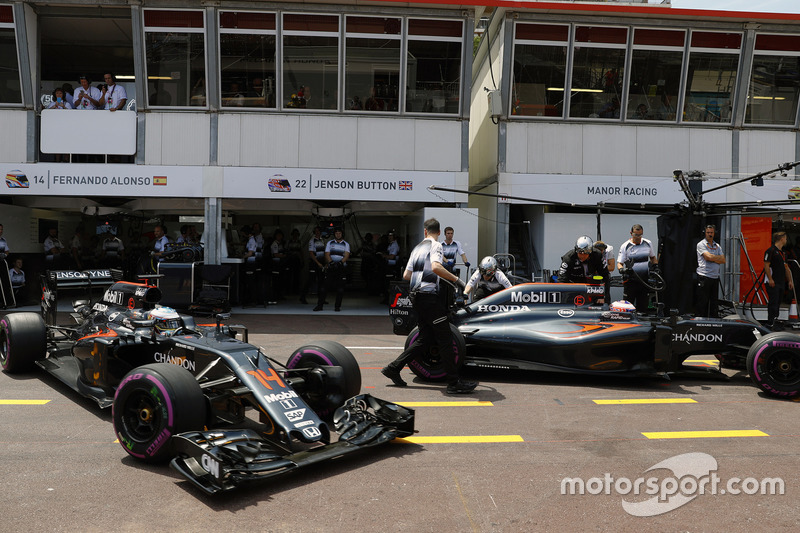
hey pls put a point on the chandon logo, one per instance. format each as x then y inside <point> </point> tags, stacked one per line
<point>696,337</point>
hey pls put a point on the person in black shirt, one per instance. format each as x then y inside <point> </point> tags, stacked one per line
<point>777,273</point>
<point>582,263</point>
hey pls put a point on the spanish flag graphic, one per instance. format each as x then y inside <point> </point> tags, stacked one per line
<point>159,180</point>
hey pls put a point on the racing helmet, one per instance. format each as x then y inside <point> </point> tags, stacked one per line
<point>622,306</point>
<point>166,320</point>
<point>584,244</point>
<point>488,265</point>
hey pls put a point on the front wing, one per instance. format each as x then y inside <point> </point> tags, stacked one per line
<point>221,460</point>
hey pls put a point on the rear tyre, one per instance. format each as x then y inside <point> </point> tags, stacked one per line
<point>153,403</point>
<point>23,340</point>
<point>322,395</point>
<point>429,367</point>
<point>774,364</point>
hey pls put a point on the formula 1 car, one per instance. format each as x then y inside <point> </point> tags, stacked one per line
<point>561,327</point>
<point>181,391</point>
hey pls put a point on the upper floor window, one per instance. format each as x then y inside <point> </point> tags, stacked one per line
<point>433,65</point>
<point>372,63</point>
<point>10,88</point>
<point>310,61</point>
<point>598,68</point>
<point>656,63</point>
<point>540,70</point>
<point>775,80</point>
<point>175,58</point>
<point>247,59</point>
<point>711,76</point>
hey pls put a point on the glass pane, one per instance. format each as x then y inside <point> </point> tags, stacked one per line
<point>539,77</point>
<point>248,70</point>
<point>542,32</point>
<point>709,89</point>
<point>251,21</point>
<point>373,25</point>
<point>774,87</point>
<point>655,83</point>
<point>176,69</point>
<point>597,75</point>
<point>310,71</point>
<point>10,92</point>
<point>441,28</point>
<point>601,34</point>
<point>372,74</point>
<point>155,18</point>
<point>433,79</point>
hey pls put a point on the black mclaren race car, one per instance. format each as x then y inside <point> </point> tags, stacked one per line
<point>181,391</point>
<point>560,327</point>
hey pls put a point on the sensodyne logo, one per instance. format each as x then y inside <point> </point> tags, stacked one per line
<point>566,313</point>
<point>540,297</point>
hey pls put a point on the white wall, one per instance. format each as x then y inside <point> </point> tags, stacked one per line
<point>13,136</point>
<point>339,142</point>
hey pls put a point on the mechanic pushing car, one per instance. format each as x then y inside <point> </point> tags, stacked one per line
<point>424,268</point>
<point>583,263</point>
<point>486,280</point>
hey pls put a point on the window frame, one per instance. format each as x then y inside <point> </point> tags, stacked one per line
<point>683,49</point>
<point>771,53</point>
<point>540,42</point>
<point>12,26</point>
<point>407,38</point>
<point>401,37</point>
<point>721,51</point>
<point>247,31</point>
<point>173,29</point>
<point>283,33</point>
<point>625,47</point>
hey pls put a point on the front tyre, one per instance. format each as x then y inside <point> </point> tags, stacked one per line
<point>773,363</point>
<point>23,340</point>
<point>322,393</point>
<point>429,367</point>
<point>153,403</point>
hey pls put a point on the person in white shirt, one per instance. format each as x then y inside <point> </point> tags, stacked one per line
<point>59,100</point>
<point>86,96</point>
<point>161,243</point>
<point>114,96</point>
<point>52,246</point>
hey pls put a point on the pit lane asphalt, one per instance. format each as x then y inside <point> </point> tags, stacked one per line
<point>62,471</point>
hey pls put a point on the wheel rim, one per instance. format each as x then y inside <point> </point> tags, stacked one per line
<point>784,368</point>
<point>142,417</point>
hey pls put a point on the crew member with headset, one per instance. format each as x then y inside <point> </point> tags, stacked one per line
<point>423,271</point>
<point>639,253</point>
<point>337,252</point>
<point>582,263</point>
<point>486,280</point>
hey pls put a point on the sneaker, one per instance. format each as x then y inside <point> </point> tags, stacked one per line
<point>394,375</point>
<point>318,308</point>
<point>461,387</point>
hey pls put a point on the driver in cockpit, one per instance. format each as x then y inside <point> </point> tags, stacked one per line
<point>166,320</point>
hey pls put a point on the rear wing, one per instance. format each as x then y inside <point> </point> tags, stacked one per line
<point>54,280</point>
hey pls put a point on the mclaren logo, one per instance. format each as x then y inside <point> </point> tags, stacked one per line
<point>539,297</point>
<point>690,337</point>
